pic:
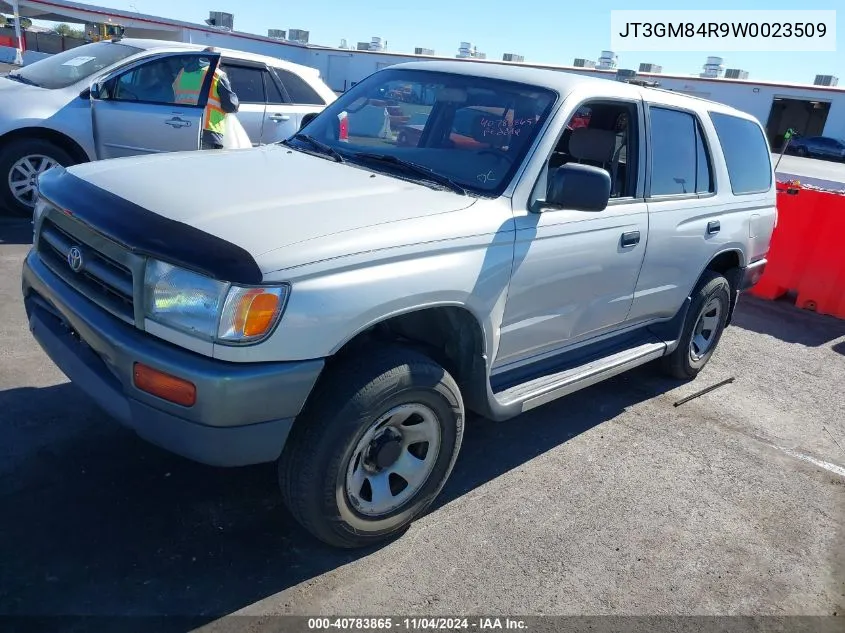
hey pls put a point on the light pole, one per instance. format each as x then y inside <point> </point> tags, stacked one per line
<point>19,52</point>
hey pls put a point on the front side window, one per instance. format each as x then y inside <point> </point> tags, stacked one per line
<point>67,68</point>
<point>471,130</point>
<point>170,80</point>
<point>247,83</point>
<point>602,134</point>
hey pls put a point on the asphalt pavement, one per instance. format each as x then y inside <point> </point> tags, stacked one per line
<point>811,171</point>
<point>610,501</point>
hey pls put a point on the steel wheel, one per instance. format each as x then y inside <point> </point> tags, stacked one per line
<point>23,177</point>
<point>704,332</point>
<point>393,460</point>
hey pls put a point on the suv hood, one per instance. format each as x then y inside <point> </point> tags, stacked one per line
<point>268,198</point>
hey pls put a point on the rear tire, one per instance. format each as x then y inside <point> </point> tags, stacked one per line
<point>21,161</point>
<point>371,418</point>
<point>703,328</point>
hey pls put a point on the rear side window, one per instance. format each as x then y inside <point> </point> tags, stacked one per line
<point>274,95</point>
<point>298,89</point>
<point>247,83</point>
<point>746,153</point>
<point>680,163</point>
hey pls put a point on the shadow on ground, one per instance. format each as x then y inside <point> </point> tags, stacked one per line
<point>783,320</point>
<point>15,231</point>
<point>98,522</point>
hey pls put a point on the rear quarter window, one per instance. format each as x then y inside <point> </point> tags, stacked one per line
<point>299,91</point>
<point>746,153</point>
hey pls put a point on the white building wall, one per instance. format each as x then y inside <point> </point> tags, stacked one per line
<point>358,65</point>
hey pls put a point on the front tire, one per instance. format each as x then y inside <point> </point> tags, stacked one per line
<point>373,447</point>
<point>21,162</point>
<point>703,327</point>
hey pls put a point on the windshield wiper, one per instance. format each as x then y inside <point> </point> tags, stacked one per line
<point>23,80</point>
<point>424,172</point>
<point>319,146</point>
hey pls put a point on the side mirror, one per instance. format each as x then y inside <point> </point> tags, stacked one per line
<point>306,119</point>
<point>85,94</point>
<point>578,187</point>
<point>97,90</point>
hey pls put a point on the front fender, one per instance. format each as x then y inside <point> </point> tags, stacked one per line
<point>327,310</point>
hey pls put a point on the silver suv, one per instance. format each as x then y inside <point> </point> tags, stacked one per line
<point>344,312</point>
<point>113,99</point>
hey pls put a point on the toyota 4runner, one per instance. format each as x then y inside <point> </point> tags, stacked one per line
<point>351,298</point>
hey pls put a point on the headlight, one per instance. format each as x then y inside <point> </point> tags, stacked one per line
<point>210,309</point>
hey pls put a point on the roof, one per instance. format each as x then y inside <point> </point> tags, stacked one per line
<point>561,82</point>
<point>147,44</point>
<point>565,83</point>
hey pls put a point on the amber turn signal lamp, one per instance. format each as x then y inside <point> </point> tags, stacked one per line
<point>164,386</point>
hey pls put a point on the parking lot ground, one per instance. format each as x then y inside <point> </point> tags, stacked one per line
<point>827,174</point>
<point>611,501</point>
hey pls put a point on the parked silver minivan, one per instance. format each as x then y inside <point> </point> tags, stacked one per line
<point>52,116</point>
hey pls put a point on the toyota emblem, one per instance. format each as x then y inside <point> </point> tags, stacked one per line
<point>74,259</point>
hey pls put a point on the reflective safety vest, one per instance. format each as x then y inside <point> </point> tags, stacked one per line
<point>187,88</point>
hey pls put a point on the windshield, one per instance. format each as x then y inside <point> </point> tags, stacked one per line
<point>472,131</point>
<point>63,69</point>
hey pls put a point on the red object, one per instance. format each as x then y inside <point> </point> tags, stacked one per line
<point>806,254</point>
<point>343,129</point>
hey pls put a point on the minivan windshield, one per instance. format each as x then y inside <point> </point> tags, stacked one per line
<point>447,130</point>
<point>73,65</point>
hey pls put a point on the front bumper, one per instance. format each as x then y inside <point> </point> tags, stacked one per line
<point>243,412</point>
<point>752,273</point>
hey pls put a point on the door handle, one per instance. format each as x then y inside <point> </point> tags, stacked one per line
<point>279,117</point>
<point>713,227</point>
<point>178,122</point>
<point>631,238</point>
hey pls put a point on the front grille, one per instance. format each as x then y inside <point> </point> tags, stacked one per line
<point>100,278</point>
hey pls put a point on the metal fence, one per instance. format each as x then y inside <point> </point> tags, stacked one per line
<point>49,43</point>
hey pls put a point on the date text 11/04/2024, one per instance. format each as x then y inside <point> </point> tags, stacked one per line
<point>416,624</point>
<point>724,29</point>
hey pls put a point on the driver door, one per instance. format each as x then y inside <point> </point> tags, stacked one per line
<point>135,111</point>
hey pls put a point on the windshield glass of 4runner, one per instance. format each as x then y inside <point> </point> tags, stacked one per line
<point>470,131</point>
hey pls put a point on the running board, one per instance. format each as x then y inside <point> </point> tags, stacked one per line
<point>543,389</point>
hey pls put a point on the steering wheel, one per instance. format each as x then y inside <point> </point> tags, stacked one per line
<point>497,154</point>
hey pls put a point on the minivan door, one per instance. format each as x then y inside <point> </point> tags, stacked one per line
<point>137,110</point>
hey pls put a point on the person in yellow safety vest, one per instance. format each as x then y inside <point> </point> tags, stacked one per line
<point>222,100</point>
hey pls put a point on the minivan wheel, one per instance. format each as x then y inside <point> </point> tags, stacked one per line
<point>373,447</point>
<point>21,162</point>
<point>703,327</point>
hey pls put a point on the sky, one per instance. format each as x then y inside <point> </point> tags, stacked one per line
<point>544,31</point>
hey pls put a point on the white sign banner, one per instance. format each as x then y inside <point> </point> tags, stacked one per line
<point>710,31</point>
